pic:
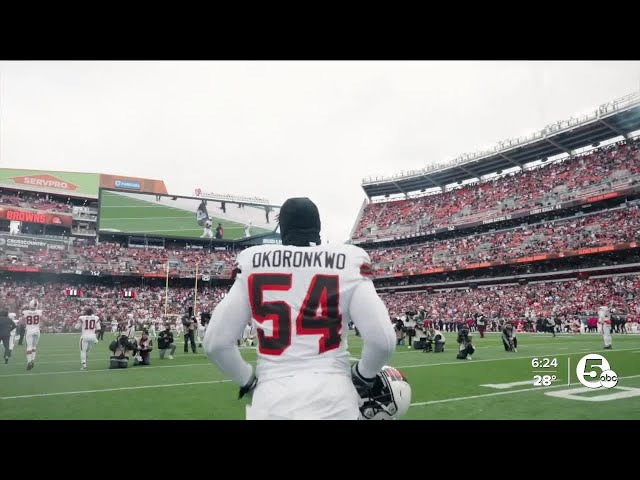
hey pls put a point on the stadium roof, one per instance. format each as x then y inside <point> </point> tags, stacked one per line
<point>617,118</point>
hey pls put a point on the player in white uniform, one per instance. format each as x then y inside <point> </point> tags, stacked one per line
<point>32,318</point>
<point>12,335</point>
<point>604,319</point>
<point>200,334</point>
<point>207,232</point>
<point>301,297</point>
<point>90,323</point>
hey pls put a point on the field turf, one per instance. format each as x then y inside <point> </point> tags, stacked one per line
<point>494,385</point>
<point>119,213</point>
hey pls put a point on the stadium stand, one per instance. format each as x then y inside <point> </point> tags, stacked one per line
<point>593,230</point>
<point>607,169</point>
<point>567,300</point>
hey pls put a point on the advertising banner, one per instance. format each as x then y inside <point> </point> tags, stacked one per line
<point>73,184</point>
<point>35,216</point>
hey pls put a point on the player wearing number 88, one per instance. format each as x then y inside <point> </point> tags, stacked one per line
<point>89,324</point>
<point>32,318</point>
<point>301,296</point>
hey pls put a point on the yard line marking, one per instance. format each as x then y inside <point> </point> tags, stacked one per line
<point>503,386</point>
<point>509,392</point>
<point>112,389</point>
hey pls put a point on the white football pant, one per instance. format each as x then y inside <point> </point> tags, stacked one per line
<point>306,396</point>
<point>86,342</point>
<point>606,334</point>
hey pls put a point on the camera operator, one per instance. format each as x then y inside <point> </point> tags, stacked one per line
<point>120,349</point>
<point>509,339</point>
<point>190,326</point>
<point>143,350</point>
<point>165,342</point>
<point>410,324</point>
<point>438,340</point>
<point>465,347</point>
<point>7,325</point>
<point>399,328</point>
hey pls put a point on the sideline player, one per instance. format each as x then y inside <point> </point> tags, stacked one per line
<point>90,323</point>
<point>32,318</point>
<point>302,296</point>
<point>604,319</point>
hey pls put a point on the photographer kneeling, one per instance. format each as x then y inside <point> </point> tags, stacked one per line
<point>120,349</point>
<point>143,350</point>
<point>465,347</point>
<point>436,339</point>
<point>165,342</point>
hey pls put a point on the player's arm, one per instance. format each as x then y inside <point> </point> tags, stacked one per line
<point>371,316</point>
<point>225,328</point>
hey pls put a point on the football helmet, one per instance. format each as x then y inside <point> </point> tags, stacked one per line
<point>389,398</point>
<point>34,304</point>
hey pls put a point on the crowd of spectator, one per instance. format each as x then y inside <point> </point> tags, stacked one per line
<point>61,311</point>
<point>115,258</point>
<point>594,230</point>
<point>565,300</point>
<point>605,168</point>
<point>34,201</point>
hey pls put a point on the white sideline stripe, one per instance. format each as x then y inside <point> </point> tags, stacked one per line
<point>105,370</point>
<point>112,389</point>
<point>417,404</point>
<point>471,362</point>
<point>509,392</point>
<point>459,362</point>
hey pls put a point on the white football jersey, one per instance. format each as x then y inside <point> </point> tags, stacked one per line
<point>300,301</point>
<point>90,323</point>
<point>201,215</point>
<point>32,320</point>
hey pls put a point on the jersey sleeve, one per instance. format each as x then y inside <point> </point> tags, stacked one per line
<point>370,315</point>
<point>226,327</point>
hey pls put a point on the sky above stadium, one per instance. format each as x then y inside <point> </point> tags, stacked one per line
<point>284,129</point>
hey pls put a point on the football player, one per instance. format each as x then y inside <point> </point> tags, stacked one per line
<point>301,296</point>
<point>604,320</point>
<point>201,214</point>
<point>32,318</point>
<point>89,324</point>
<point>207,232</point>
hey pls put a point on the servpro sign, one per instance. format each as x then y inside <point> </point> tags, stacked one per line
<point>45,181</point>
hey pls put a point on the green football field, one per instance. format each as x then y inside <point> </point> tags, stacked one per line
<point>494,385</point>
<point>119,213</point>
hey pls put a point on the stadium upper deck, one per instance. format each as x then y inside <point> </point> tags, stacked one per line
<point>533,184</point>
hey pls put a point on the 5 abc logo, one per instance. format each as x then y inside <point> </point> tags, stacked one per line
<point>596,367</point>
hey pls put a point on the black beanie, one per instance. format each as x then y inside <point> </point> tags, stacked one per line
<point>299,222</point>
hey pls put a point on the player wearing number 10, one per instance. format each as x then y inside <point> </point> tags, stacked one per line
<point>89,324</point>
<point>301,296</point>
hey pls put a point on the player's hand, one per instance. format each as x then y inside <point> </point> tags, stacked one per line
<point>363,385</point>
<point>248,388</point>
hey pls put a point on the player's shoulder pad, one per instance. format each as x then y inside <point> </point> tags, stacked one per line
<point>358,258</point>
